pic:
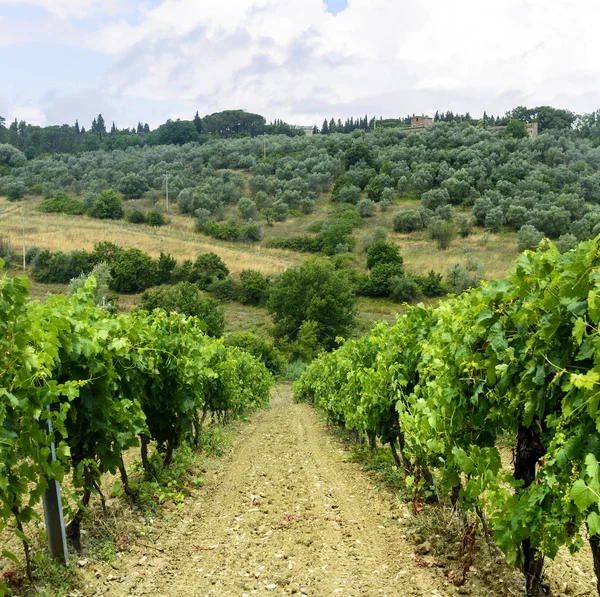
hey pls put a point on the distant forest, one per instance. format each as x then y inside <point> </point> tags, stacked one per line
<point>36,141</point>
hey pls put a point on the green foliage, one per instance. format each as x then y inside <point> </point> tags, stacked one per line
<point>187,299</point>
<point>514,359</point>
<point>132,186</point>
<point>108,205</point>
<point>102,296</point>
<point>461,276</point>
<point>206,268</point>
<point>255,287</point>
<point>102,381</point>
<point>403,289</point>
<point>442,232</point>
<point>383,252</point>
<point>529,237</point>
<point>516,129</point>
<point>135,216</point>
<point>314,291</point>
<point>155,217</point>
<point>62,203</point>
<point>231,231</point>
<point>378,282</point>
<point>259,348</point>
<point>60,268</point>
<point>133,271</point>
<point>366,208</point>
<point>407,220</point>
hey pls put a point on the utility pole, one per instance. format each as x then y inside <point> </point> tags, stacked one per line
<point>167,189</point>
<point>23,222</point>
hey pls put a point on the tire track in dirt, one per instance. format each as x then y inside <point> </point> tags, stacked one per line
<point>287,517</point>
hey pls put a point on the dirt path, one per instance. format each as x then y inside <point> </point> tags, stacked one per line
<point>287,516</point>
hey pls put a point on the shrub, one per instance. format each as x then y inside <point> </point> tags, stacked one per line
<point>227,289</point>
<point>463,223</point>
<point>383,252</point>
<point>108,205</point>
<point>165,268</point>
<point>366,208</point>
<point>208,267</point>
<point>14,190</point>
<point>231,231</point>
<point>403,289</point>
<point>302,244</point>
<point>132,186</point>
<point>494,218</point>
<point>294,370</point>
<point>62,203</point>
<point>32,253</point>
<point>247,208</point>
<point>36,189</point>
<point>187,299</point>
<point>529,237</point>
<point>407,220</point>
<point>461,277</point>
<point>442,232</point>
<point>258,347</point>
<point>435,198</point>
<point>349,194</point>
<point>431,284</point>
<point>313,291</point>
<point>60,268</point>
<point>155,218</point>
<point>368,240</point>
<point>106,251</point>
<point>133,271</point>
<point>103,297</point>
<point>567,242</point>
<point>255,287</point>
<point>135,216</point>
<point>378,282</point>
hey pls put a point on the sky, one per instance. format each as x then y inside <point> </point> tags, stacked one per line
<point>296,60</point>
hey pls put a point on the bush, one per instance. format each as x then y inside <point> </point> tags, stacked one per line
<point>368,240</point>
<point>435,198</point>
<point>132,186</point>
<point>403,289</point>
<point>313,291</point>
<point>302,244</point>
<point>231,231</point>
<point>227,289</point>
<point>442,232</point>
<point>247,208</point>
<point>431,284</point>
<point>208,267</point>
<point>258,347</point>
<point>155,218</point>
<point>165,268</point>
<point>293,371</point>
<point>255,287</point>
<point>32,253</point>
<point>567,242</point>
<point>36,189</point>
<point>378,282</point>
<point>135,216</point>
<point>463,223</point>
<point>60,268</point>
<point>187,299</point>
<point>366,208</point>
<point>62,203</point>
<point>494,219</point>
<point>103,297</point>
<point>108,205</point>
<point>133,271</point>
<point>349,194</point>
<point>14,190</point>
<point>529,237</point>
<point>407,220</point>
<point>461,277</point>
<point>383,252</point>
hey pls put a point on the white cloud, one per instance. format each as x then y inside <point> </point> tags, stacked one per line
<point>292,59</point>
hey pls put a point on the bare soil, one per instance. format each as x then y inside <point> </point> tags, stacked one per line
<point>287,514</point>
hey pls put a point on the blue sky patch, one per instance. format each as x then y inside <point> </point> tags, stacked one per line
<point>335,6</point>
